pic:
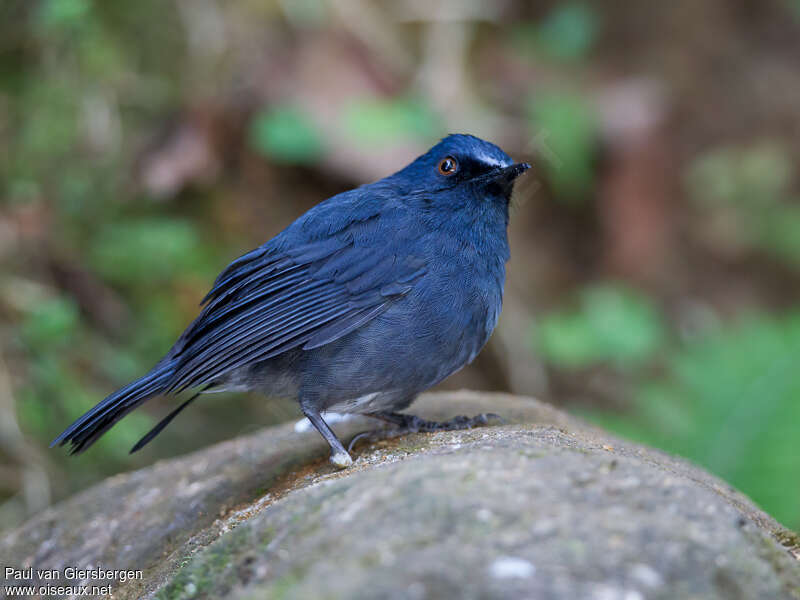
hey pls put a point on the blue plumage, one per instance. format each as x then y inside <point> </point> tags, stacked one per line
<point>369,298</point>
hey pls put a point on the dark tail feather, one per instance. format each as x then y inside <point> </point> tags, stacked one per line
<point>163,423</point>
<point>87,429</point>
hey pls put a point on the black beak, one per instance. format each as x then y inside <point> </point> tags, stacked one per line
<point>504,178</point>
<point>512,172</point>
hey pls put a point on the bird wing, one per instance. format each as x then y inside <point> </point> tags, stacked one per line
<point>317,281</point>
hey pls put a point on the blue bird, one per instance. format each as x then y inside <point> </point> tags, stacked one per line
<point>369,298</point>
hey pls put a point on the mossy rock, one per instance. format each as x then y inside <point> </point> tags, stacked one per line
<point>540,506</point>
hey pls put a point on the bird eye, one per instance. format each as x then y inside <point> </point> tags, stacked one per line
<point>448,165</point>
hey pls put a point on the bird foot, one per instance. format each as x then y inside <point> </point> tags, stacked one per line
<point>404,424</point>
<point>415,424</point>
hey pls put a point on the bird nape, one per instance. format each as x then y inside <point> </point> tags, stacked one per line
<point>369,298</point>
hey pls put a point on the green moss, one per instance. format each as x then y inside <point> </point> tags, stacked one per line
<point>777,558</point>
<point>204,574</point>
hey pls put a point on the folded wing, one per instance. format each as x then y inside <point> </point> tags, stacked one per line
<point>295,293</point>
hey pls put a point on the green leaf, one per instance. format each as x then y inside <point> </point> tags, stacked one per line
<point>306,13</point>
<point>610,325</point>
<point>147,251</point>
<point>50,322</point>
<point>372,121</point>
<point>794,8</point>
<point>569,31</point>
<point>779,232</point>
<point>285,134</point>
<point>564,129</point>
<point>63,13</point>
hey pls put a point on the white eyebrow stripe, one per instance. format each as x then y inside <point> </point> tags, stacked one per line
<point>490,161</point>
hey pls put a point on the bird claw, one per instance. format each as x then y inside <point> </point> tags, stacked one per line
<point>456,423</point>
<point>377,435</point>
<point>341,460</point>
<point>357,438</point>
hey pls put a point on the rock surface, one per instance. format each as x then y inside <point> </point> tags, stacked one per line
<point>542,506</point>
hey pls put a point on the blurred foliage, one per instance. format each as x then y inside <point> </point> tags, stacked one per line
<point>568,32</point>
<point>149,252</point>
<point>50,323</point>
<point>611,324</point>
<point>794,8</point>
<point>747,191</point>
<point>286,135</point>
<point>63,13</point>
<point>564,131</point>
<point>375,121</point>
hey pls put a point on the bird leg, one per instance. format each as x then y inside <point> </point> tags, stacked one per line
<point>339,456</point>
<point>412,424</point>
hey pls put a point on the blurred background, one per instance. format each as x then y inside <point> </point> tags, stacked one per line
<point>654,284</point>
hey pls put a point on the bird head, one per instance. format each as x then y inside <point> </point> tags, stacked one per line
<point>463,163</point>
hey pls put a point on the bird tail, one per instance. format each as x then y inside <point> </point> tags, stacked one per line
<point>87,429</point>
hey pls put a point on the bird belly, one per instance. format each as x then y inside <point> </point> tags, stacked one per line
<point>416,345</point>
